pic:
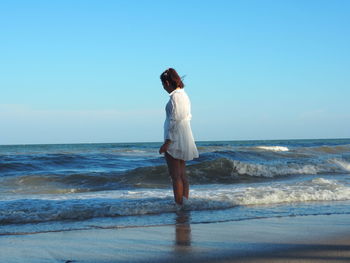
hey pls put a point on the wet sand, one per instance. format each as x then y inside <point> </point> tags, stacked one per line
<point>286,239</point>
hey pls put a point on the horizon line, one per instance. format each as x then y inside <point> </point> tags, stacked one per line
<point>199,141</point>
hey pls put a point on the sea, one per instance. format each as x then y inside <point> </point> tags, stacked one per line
<point>64,187</point>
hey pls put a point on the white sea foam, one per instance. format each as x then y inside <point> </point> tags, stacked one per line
<point>315,190</point>
<point>343,164</point>
<point>244,168</point>
<point>273,148</point>
<point>138,202</point>
<point>226,170</point>
<point>318,189</point>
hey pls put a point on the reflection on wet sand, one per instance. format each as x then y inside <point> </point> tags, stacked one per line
<point>183,229</point>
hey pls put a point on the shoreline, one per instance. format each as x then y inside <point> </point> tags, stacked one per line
<point>318,238</point>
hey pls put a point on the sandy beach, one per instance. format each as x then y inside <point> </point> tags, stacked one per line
<point>285,239</point>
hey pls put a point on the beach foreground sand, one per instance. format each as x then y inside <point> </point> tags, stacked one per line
<point>286,239</point>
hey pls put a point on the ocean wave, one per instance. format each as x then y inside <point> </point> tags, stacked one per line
<point>273,148</point>
<point>141,202</point>
<point>261,170</point>
<point>61,183</point>
<point>334,149</point>
<point>132,151</point>
<point>58,158</point>
<point>41,162</point>
<point>217,171</point>
<point>342,163</point>
<point>222,168</point>
<point>16,166</point>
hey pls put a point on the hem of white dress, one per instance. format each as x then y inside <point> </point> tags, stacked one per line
<point>183,159</point>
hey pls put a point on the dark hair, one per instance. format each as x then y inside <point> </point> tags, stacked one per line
<point>172,77</point>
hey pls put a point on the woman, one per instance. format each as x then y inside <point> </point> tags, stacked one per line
<point>178,144</point>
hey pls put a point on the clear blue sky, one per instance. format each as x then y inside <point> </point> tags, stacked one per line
<point>88,71</point>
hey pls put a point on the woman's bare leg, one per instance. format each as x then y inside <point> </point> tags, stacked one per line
<point>175,171</point>
<point>186,186</point>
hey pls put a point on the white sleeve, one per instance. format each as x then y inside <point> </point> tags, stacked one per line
<point>177,114</point>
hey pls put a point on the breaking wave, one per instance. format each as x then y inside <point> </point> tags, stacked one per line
<point>139,202</point>
<point>221,170</point>
<point>273,148</point>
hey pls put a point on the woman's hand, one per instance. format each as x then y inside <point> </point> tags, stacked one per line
<point>164,147</point>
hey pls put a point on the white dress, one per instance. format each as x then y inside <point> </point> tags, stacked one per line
<point>177,127</point>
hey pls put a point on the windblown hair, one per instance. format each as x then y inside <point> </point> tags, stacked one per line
<point>172,77</point>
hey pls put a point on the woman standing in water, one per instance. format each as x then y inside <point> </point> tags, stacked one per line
<point>178,144</point>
